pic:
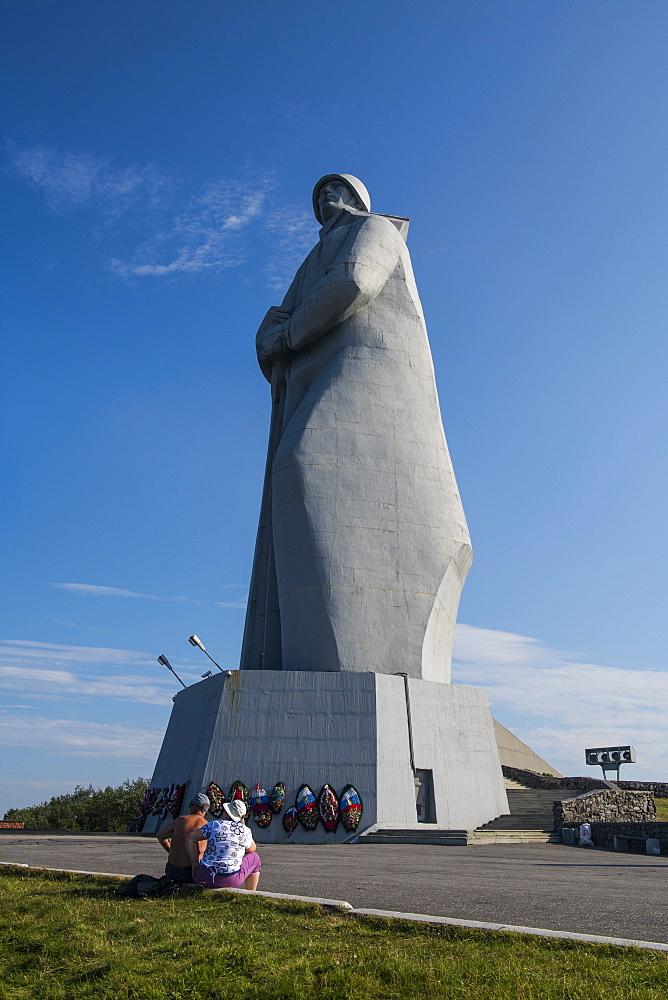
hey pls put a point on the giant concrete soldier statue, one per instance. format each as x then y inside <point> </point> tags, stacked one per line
<point>361,555</point>
<point>362,547</point>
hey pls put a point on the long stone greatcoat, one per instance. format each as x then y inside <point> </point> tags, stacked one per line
<point>362,547</point>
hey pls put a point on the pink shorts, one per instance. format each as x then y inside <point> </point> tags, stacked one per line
<point>205,877</point>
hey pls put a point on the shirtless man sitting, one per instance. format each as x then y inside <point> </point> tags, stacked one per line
<point>173,839</point>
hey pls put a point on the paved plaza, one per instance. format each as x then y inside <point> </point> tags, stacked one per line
<point>550,886</point>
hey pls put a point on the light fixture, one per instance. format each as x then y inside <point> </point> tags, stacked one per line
<point>195,640</point>
<point>165,662</point>
<point>207,674</point>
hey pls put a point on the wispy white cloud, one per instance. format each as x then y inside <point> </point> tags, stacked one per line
<point>100,591</point>
<point>489,647</point>
<point>76,625</point>
<point>231,604</point>
<point>173,232</point>
<point>182,233</point>
<point>207,235</point>
<point>38,783</point>
<point>294,231</point>
<point>560,704</point>
<point>57,672</point>
<point>60,651</point>
<point>44,682</point>
<point>86,739</point>
<point>79,179</point>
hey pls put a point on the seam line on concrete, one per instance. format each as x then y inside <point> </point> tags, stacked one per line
<point>396,915</point>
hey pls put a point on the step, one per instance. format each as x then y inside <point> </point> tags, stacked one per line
<point>519,823</point>
<point>531,831</point>
<point>515,795</point>
<point>557,793</point>
<point>531,814</point>
<point>478,837</point>
<point>539,814</point>
<point>538,811</point>
<point>461,838</point>
<point>426,835</point>
<point>444,841</point>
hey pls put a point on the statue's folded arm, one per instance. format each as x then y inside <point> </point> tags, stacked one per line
<point>344,290</point>
<point>353,280</point>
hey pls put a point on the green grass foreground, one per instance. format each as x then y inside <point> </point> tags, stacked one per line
<point>66,936</point>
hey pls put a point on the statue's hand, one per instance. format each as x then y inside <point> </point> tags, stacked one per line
<point>270,340</point>
<point>275,316</point>
<point>270,343</point>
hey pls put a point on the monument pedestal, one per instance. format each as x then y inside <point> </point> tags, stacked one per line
<point>373,731</point>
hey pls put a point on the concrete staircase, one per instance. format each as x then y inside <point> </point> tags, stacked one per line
<point>530,822</point>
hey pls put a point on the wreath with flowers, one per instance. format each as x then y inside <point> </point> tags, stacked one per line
<point>290,820</point>
<point>328,808</point>
<point>239,791</point>
<point>277,797</point>
<point>217,799</point>
<point>351,808</point>
<point>307,808</point>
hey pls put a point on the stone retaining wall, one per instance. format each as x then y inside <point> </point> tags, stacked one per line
<point>532,780</point>
<point>605,806</point>
<point>603,834</point>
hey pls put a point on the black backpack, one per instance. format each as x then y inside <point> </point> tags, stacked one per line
<point>142,886</point>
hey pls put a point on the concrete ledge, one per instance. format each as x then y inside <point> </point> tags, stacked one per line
<point>512,929</point>
<point>339,904</point>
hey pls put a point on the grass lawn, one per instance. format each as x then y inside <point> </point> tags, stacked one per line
<point>661,810</point>
<point>65,936</point>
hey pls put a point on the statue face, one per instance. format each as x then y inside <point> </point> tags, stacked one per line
<point>334,196</point>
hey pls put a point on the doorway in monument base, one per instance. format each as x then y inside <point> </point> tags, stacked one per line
<point>424,796</point>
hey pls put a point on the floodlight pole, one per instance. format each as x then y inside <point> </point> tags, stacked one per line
<point>165,662</point>
<point>194,640</point>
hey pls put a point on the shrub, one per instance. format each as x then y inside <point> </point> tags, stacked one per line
<point>86,809</point>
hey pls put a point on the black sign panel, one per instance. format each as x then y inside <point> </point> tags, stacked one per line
<point>613,756</point>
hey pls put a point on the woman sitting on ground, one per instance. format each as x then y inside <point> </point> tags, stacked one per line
<point>230,858</point>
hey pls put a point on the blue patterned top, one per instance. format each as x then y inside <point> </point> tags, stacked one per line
<point>227,843</point>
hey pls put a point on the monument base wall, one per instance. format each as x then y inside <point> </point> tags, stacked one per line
<point>337,728</point>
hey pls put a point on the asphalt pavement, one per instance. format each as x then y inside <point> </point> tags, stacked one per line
<point>553,886</point>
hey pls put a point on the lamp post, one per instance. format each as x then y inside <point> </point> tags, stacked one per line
<point>194,640</point>
<point>165,662</point>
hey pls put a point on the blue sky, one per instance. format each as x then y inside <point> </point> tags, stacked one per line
<point>157,167</point>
